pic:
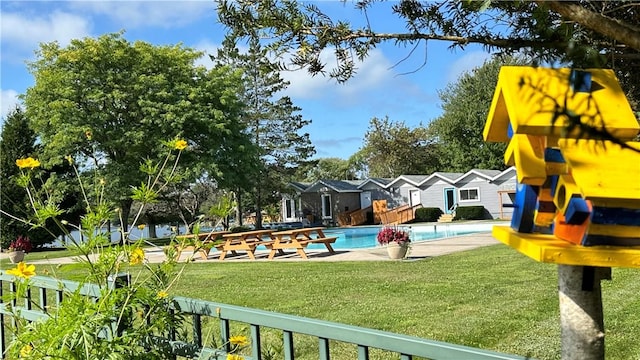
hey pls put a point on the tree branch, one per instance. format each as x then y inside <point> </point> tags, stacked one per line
<point>621,32</point>
<point>460,40</point>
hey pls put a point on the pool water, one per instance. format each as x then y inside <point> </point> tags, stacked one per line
<point>365,236</point>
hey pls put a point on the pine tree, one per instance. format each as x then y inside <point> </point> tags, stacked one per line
<point>16,141</point>
<point>273,122</point>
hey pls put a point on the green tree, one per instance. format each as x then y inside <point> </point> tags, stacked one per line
<point>110,104</point>
<point>222,209</point>
<point>392,149</point>
<point>327,168</point>
<point>273,122</point>
<point>18,141</point>
<point>458,130</point>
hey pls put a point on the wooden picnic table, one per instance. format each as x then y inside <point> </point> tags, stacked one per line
<point>246,241</point>
<point>207,239</point>
<point>299,239</point>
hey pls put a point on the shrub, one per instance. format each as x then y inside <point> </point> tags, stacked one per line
<point>470,213</point>
<point>241,228</point>
<point>428,214</point>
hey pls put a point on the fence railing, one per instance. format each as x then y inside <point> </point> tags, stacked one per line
<point>287,329</point>
<point>400,215</point>
<point>355,217</point>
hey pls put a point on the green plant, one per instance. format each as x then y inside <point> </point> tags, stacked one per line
<point>428,214</point>
<point>121,323</point>
<point>241,228</point>
<point>470,213</point>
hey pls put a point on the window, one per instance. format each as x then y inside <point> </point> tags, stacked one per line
<point>469,194</point>
<point>326,206</point>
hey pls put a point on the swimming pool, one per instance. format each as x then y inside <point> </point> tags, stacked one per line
<point>364,237</point>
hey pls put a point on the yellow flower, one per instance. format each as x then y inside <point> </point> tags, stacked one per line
<point>136,257</point>
<point>141,226</point>
<point>234,357</point>
<point>69,159</point>
<point>239,340</point>
<point>25,351</point>
<point>27,163</point>
<point>23,270</point>
<point>180,145</point>
<point>88,134</point>
<point>162,294</point>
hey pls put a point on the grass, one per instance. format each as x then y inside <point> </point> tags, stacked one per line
<point>491,298</point>
<point>42,254</point>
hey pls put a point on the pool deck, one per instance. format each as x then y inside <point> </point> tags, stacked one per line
<point>419,250</point>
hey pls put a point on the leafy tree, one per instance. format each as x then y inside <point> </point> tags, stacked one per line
<point>458,130</point>
<point>327,168</point>
<point>110,104</point>
<point>221,210</point>
<point>271,121</point>
<point>392,149</point>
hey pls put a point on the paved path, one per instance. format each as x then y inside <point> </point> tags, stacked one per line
<point>419,250</point>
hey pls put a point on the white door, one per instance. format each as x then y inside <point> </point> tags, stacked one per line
<point>365,199</point>
<point>414,196</point>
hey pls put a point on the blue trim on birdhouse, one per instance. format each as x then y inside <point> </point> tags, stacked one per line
<point>616,216</point>
<point>580,81</point>
<point>523,208</point>
<point>577,211</point>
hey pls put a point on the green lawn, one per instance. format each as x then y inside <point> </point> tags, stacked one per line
<point>492,298</point>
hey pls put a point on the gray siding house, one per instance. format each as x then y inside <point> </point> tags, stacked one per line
<point>324,200</point>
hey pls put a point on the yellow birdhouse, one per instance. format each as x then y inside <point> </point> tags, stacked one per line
<point>569,136</point>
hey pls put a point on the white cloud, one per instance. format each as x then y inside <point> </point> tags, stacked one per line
<point>8,101</point>
<point>466,63</point>
<point>209,48</point>
<point>137,14</point>
<point>23,32</point>
<point>373,73</point>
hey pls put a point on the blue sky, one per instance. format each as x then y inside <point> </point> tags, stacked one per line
<point>340,113</point>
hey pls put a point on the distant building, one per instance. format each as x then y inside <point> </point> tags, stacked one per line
<point>324,201</point>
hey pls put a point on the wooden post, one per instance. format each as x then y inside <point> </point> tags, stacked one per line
<point>581,317</point>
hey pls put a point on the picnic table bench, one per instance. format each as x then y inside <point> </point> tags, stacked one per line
<point>207,242</point>
<point>246,241</point>
<point>299,239</point>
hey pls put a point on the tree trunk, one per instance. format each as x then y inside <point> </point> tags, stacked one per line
<point>152,230</point>
<point>238,208</point>
<point>258,224</point>
<point>125,210</point>
<point>581,317</point>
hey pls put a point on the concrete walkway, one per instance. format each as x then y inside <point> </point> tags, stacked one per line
<point>419,250</point>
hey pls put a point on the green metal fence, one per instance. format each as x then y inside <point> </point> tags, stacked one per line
<point>222,317</point>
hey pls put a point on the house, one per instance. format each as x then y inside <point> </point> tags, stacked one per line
<point>324,200</point>
<point>492,189</point>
